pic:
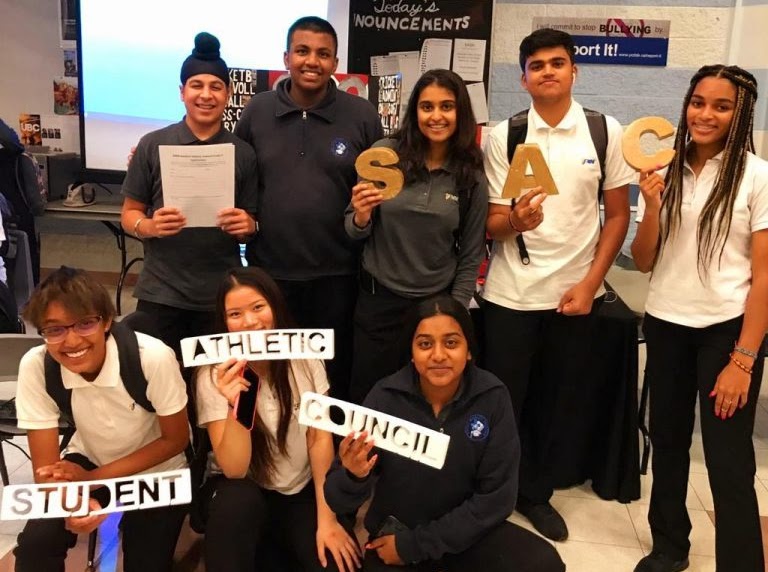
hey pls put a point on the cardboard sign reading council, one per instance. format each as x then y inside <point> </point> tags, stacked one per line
<point>378,165</point>
<point>387,431</point>
<point>59,500</point>
<point>257,345</point>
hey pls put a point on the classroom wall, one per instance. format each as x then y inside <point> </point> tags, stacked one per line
<point>31,58</point>
<point>701,32</point>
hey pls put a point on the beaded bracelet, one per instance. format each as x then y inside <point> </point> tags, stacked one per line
<point>742,366</point>
<point>745,351</point>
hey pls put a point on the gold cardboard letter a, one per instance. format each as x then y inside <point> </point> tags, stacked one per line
<point>517,180</point>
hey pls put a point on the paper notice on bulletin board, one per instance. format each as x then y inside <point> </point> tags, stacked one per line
<point>386,26</point>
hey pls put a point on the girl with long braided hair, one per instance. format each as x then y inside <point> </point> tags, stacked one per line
<point>703,233</point>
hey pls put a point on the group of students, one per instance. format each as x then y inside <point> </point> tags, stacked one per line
<point>280,496</point>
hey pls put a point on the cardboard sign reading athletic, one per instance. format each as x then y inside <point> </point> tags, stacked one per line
<point>517,179</point>
<point>376,165</point>
<point>387,431</point>
<point>258,345</point>
<point>60,500</point>
<point>630,143</point>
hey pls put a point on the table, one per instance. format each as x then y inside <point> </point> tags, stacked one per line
<point>107,212</point>
<point>596,417</point>
<point>600,439</point>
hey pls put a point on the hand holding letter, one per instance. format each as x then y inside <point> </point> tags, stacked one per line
<point>85,524</point>
<point>365,197</point>
<point>354,452</point>
<point>652,187</point>
<point>527,213</point>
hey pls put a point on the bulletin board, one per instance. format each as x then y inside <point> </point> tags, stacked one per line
<point>410,37</point>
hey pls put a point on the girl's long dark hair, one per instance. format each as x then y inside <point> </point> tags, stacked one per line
<point>263,445</point>
<point>463,149</point>
<point>715,219</point>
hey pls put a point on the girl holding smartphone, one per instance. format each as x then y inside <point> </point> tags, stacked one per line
<point>267,507</point>
<point>703,234</point>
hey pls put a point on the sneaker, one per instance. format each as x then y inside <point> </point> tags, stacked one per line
<point>80,195</point>
<point>545,519</point>
<point>658,562</point>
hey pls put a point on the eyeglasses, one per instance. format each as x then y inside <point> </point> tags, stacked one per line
<point>57,334</point>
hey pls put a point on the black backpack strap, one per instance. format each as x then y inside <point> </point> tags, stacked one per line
<point>54,387</point>
<point>131,373</point>
<point>517,130</point>
<point>598,131</point>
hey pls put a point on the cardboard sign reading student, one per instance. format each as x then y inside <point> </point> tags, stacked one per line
<point>630,143</point>
<point>257,345</point>
<point>376,165</point>
<point>387,431</point>
<point>517,179</point>
<point>59,500</point>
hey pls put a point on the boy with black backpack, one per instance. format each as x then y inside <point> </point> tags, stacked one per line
<point>127,422</point>
<point>549,259</point>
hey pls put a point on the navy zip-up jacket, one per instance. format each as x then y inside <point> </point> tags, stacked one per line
<point>447,510</point>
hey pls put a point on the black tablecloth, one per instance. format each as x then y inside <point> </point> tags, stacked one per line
<point>598,428</point>
<point>596,417</point>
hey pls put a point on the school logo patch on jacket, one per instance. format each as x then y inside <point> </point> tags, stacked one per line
<point>339,147</point>
<point>477,428</point>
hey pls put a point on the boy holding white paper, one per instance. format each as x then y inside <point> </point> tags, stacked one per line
<point>183,264</point>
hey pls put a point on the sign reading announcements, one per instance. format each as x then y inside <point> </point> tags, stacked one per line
<point>613,40</point>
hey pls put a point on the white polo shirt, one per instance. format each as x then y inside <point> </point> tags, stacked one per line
<point>677,292</point>
<point>110,424</point>
<point>562,247</point>
<point>292,471</point>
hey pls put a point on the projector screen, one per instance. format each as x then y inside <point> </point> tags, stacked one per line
<point>131,54</point>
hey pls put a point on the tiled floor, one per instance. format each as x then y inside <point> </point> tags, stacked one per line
<point>605,536</point>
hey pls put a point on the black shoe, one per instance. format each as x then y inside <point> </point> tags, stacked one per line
<point>658,562</point>
<point>545,519</point>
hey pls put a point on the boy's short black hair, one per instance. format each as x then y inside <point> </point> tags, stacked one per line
<point>313,24</point>
<point>545,38</point>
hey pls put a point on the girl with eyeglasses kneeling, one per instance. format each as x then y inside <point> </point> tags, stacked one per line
<point>115,436</point>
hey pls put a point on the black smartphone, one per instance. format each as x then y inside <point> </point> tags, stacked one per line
<point>391,525</point>
<point>245,406</point>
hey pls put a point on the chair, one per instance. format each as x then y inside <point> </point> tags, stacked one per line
<point>12,348</point>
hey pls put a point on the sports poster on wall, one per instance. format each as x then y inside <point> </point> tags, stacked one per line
<point>246,83</point>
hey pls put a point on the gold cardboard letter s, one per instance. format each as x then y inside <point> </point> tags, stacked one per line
<point>374,165</point>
